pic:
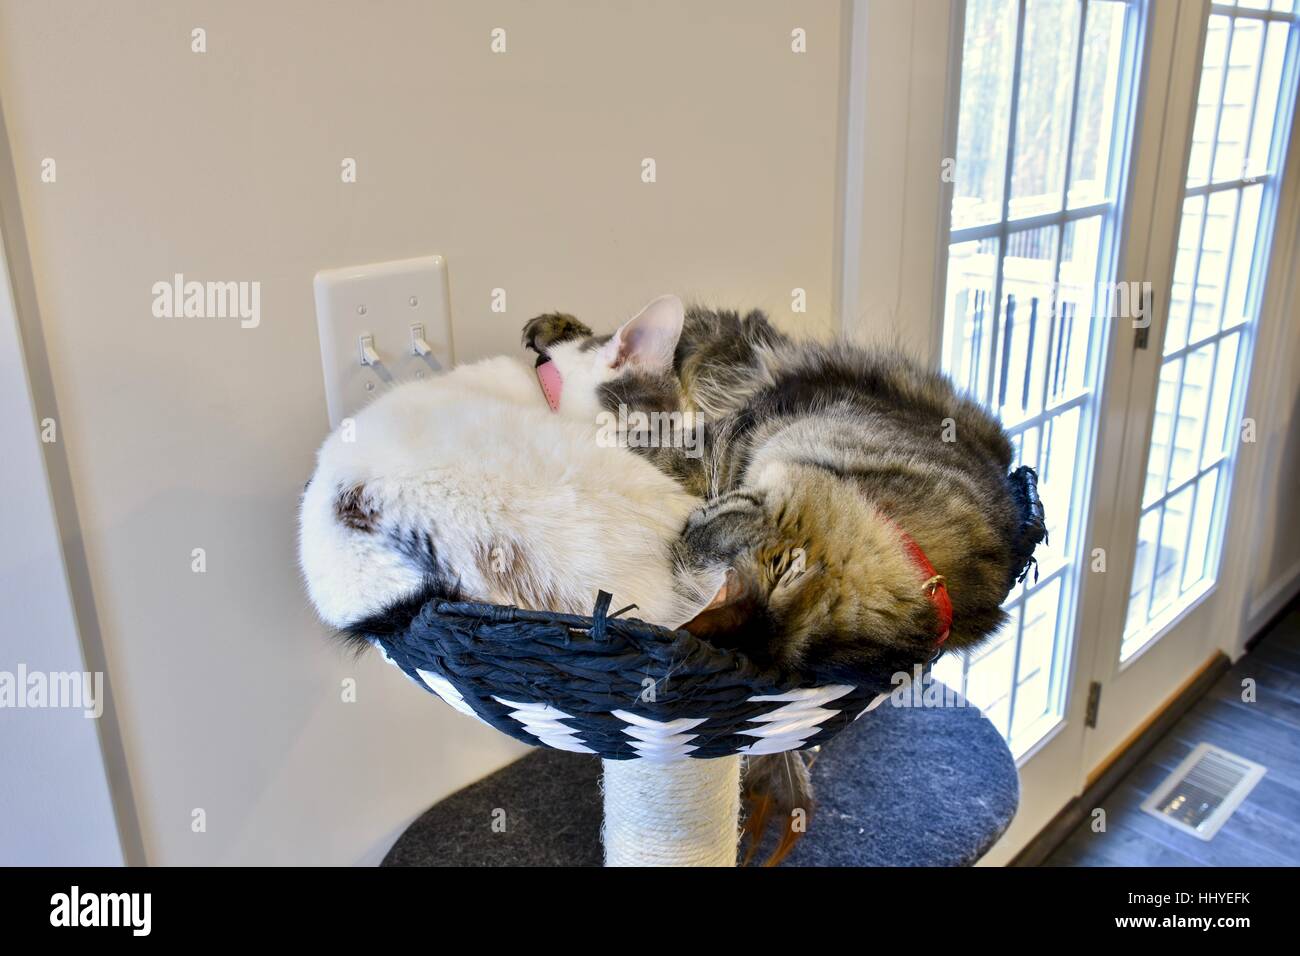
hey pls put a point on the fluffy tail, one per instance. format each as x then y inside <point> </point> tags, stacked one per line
<point>1032,527</point>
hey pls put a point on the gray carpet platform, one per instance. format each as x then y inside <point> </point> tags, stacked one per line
<point>903,786</point>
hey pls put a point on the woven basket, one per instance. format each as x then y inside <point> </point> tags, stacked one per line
<point>615,687</point>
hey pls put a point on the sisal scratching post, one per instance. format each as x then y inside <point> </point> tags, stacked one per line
<point>678,813</point>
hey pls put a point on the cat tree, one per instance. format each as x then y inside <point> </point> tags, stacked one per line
<point>670,715</point>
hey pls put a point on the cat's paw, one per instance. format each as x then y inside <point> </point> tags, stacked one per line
<point>551,329</point>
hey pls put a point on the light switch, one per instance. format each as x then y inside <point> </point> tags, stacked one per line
<point>381,324</point>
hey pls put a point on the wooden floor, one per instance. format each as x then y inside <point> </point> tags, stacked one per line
<point>1265,829</point>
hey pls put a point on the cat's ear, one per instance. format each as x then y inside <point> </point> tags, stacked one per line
<point>727,593</point>
<point>730,608</point>
<point>354,508</point>
<point>647,340</point>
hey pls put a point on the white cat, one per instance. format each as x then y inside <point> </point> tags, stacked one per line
<point>470,486</point>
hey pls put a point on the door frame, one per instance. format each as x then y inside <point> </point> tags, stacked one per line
<point>62,808</point>
<point>890,284</point>
<point>70,623</point>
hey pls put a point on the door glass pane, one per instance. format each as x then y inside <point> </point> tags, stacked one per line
<point>1044,108</point>
<point>1162,432</point>
<point>1266,103</point>
<point>1037,645</point>
<point>1217,435</point>
<point>1244,60</point>
<point>1217,38</point>
<point>988,65</point>
<point>1079,300</point>
<point>1243,255</point>
<point>1056,466</point>
<point>1174,514</point>
<point>1139,602</point>
<point>1199,536</point>
<point>968,340</point>
<point>1028,309</point>
<point>1193,401</point>
<point>1212,268</point>
<point>988,673</point>
<point>1045,101</point>
<point>1244,104</point>
<point>1180,297</point>
<point>1099,79</point>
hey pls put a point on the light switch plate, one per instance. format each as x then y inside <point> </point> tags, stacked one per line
<point>384,305</point>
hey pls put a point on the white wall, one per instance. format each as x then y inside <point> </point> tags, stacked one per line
<point>522,169</point>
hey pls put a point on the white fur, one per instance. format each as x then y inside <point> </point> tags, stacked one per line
<point>522,504</point>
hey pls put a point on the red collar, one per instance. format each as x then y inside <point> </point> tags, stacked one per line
<point>934,585</point>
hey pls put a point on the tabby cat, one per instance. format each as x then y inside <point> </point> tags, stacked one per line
<point>868,513</point>
<point>831,472</point>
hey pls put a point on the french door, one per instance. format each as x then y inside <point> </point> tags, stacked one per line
<point>1215,196</point>
<point>1118,166</point>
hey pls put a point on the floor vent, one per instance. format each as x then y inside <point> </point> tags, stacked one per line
<point>1203,791</point>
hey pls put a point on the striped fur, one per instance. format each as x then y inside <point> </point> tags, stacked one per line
<point>822,454</point>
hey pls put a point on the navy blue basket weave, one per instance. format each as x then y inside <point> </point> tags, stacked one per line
<point>615,687</point>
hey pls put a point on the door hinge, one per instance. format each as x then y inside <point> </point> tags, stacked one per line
<point>1142,321</point>
<point>1094,705</point>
